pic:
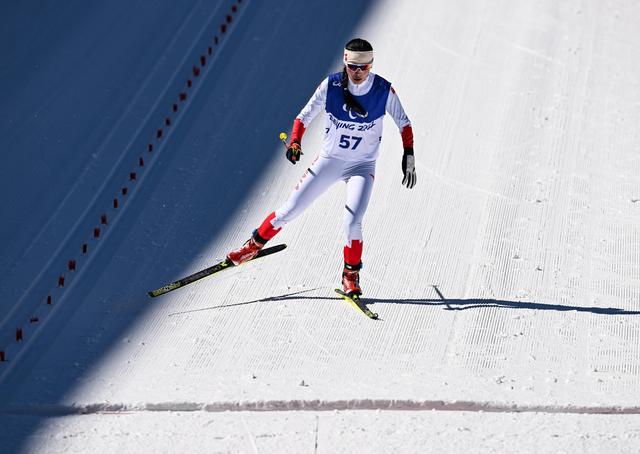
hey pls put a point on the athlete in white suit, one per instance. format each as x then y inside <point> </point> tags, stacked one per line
<point>354,103</point>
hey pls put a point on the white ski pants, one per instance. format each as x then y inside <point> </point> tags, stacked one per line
<point>358,176</point>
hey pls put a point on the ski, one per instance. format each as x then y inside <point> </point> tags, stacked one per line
<point>357,303</point>
<point>220,266</point>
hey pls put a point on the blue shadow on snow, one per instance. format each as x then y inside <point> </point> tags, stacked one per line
<point>269,66</point>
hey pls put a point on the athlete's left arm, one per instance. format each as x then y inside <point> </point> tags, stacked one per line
<point>395,109</point>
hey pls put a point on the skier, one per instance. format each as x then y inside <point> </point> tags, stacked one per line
<point>354,102</point>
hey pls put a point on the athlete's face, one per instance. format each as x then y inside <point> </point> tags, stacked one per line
<point>358,73</point>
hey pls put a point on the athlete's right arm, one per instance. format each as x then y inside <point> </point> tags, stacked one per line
<point>309,112</point>
<point>315,105</point>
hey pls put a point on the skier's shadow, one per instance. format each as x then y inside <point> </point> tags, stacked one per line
<point>448,304</point>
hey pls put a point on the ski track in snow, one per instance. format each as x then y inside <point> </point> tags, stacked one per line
<point>315,406</point>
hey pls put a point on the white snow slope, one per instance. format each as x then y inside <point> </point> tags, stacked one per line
<point>507,281</point>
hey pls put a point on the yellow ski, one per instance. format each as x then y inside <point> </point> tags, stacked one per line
<point>223,265</point>
<point>357,303</point>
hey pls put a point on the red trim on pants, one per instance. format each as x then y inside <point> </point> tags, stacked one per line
<point>266,229</point>
<point>353,253</point>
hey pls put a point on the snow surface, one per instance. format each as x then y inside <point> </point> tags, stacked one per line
<point>507,281</point>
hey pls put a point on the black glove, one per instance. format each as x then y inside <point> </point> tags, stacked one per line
<point>294,151</point>
<point>409,168</point>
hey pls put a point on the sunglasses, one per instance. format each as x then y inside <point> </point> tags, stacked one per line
<point>358,67</point>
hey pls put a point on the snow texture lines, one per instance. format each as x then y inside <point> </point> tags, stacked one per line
<point>508,279</point>
<point>203,49</point>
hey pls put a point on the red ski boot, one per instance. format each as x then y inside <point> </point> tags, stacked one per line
<point>248,251</point>
<point>351,279</point>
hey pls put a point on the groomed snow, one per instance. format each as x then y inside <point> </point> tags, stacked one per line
<point>334,432</point>
<point>507,281</point>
